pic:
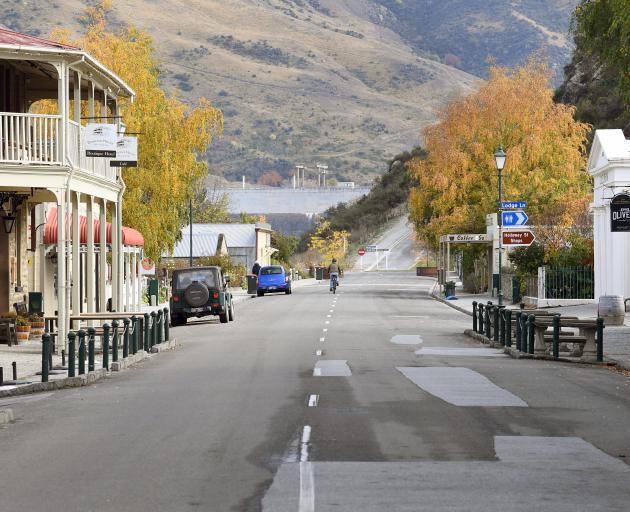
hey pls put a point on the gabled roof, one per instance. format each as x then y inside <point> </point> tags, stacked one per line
<point>18,39</point>
<point>204,245</point>
<point>237,235</point>
<point>608,146</point>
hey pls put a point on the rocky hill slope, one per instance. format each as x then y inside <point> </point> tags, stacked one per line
<point>344,82</point>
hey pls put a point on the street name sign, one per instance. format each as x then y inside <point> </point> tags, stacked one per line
<point>465,238</point>
<point>361,251</point>
<point>523,238</point>
<point>620,213</point>
<point>514,218</point>
<point>513,205</point>
<point>371,248</point>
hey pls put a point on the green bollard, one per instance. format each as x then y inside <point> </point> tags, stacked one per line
<point>531,332</point>
<point>126,323</point>
<point>160,324</point>
<point>556,336</point>
<point>474,312</point>
<point>508,330</point>
<point>115,325</point>
<point>524,333</point>
<point>45,352</point>
<point>481,315</point>
<point>518,334</point>
<point>496,328</point>
<point>600,340</point>
<point>167,321</point>
<point>153,329</point>
<point>487,321</point>
<point>146,340</point>
<point>502,326</point>
<point>72,336</point>
<point>134,335</point>
<point>81,352</point>
<point>106,346</point>
<point>91,348</point>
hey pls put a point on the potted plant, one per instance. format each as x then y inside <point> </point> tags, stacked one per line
<point>38,325</point>
<point>22,328</point>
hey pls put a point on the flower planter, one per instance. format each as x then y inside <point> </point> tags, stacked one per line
<point>37,329</point>
<point>22,332</point>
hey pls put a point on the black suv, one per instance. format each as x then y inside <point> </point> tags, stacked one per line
<point>200,291</point>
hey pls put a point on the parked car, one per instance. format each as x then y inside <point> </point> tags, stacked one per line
<point>199,292</point>
<point>273,279</point>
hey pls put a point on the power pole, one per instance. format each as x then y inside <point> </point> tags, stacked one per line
<point>322,171</point>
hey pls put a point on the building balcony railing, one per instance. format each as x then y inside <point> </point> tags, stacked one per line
<point>35,139</point>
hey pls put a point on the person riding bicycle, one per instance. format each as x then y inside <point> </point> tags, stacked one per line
<point>335,271</point>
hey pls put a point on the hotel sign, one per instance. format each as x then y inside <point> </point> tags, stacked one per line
<point>101,140</point>
<point>620,213</point>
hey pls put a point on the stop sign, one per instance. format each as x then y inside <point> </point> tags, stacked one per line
<point>361,251</point>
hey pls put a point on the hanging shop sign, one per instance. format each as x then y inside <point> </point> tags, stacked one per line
<point>620,213</point>
<point>101,140</point>
<point>147,267</point>
<point>126,152</point>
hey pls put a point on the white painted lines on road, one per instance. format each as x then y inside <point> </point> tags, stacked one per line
<point>406,339</point>
<point>328,316</point>
<point>327,322</point>
<point>325,330</point>
<point>322,339</point>
<point>313,400</point>
<point>332,368</point>
<point>461,386</point>
<point>307,487</point>
<point>424,317</point>
<point>319,352</point>
<point>330,310</point>
<point>460,352</point>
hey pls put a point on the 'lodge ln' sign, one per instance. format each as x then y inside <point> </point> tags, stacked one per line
<point>620,213</point>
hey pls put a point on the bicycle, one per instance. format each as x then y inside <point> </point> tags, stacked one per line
<point>334,283</point>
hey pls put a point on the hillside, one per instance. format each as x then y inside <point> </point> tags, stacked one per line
<point>345,82</point>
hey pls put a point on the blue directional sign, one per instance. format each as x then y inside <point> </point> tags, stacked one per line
<point>513,205</point>
<point>515,218</point>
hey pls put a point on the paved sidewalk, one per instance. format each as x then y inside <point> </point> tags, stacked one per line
<point>616,338</point>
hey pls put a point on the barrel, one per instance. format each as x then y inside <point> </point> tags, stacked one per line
<point>612,309</point>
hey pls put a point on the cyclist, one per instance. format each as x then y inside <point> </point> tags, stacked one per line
<point>335,271</point>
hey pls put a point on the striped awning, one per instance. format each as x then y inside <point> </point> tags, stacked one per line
<point>130,236</point>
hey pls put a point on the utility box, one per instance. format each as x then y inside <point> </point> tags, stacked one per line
<point>319,273</point>
<point>154,291</point>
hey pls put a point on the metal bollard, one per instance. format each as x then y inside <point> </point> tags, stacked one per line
<point>508,331</point>
<point>531,332</point>
<point>153,328</point>
<point>134,334</point>
<point>600,340</point>
<point>474,312</point>
<point>518,330</point>
<point>115,325</point>
<point>126,323</point>
<point>81,352</point>
<point>167,321</point>
<point>91,348</point>
<point>556,336</point>
<point>160,324</point>
<point>63,358</point>
<point>487,321</point>
<point>106,346</point>
<point>496,328</point>
<point>482,328</point>
<point>72,336</point>
<point>502,326</point>
<point>146,339</point>
<point>45,355</point>
<point>14,368</point>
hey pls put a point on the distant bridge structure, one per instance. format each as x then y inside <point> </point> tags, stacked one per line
<point>304,201</point>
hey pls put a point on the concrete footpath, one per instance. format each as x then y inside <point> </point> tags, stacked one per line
<point>616,338</point>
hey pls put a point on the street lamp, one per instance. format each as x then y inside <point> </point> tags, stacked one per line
<point>499,159</point>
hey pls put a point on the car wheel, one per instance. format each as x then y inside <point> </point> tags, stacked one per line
<point>177,321</point>
<point>288,292</point>
<point>231,312</point>
<point>261,294</point>
<point>223,317</point>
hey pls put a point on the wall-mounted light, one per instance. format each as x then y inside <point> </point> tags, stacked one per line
<point>8,221</point>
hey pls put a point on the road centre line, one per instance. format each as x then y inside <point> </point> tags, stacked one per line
<point>322,339</point>
<point>319,352</point>
<point>328,316</point>
<point>313,400</point>
<point>325,330</point>
<point>327,322</point>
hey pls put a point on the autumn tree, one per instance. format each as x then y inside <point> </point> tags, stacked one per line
<point>270,179</point>
<point>544,144</point>
<point>329,243</point>
<point>172,136</point>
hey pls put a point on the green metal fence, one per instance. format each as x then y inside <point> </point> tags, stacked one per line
<point>569,283</point>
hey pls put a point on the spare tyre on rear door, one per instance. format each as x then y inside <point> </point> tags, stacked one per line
<point>197,294</point>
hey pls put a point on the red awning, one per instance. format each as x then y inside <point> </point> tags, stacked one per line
<point>130,237</point>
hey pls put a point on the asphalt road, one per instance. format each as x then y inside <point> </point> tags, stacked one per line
<point>399,238</point>
<point>250,416</point>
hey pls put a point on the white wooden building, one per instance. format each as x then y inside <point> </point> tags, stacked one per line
<point>43,168</point>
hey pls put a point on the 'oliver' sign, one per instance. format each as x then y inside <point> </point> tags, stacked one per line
<point>620,213</point>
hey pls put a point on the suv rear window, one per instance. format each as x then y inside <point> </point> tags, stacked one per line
<point>184,279</point>
<point>268,271</point>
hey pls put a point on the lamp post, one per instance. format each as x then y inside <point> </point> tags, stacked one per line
<point>499,160</point>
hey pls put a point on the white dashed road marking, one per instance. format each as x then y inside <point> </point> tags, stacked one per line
<point>332,368</point>
<point>322,339</point>
<point>313,400</point>
<point>406,339</point>
<point>461,386</point>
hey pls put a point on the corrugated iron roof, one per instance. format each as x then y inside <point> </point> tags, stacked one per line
<point>203,245</point>
<point>17,38</point>
<point>236,235</point>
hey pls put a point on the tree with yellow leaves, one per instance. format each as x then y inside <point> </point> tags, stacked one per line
<point>329,243</point>
<point>172,135</point>
<point>545,156</point>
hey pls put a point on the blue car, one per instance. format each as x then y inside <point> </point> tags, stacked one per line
<point>273,279</point>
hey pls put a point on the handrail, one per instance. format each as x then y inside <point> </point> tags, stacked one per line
<point>27,114</point>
